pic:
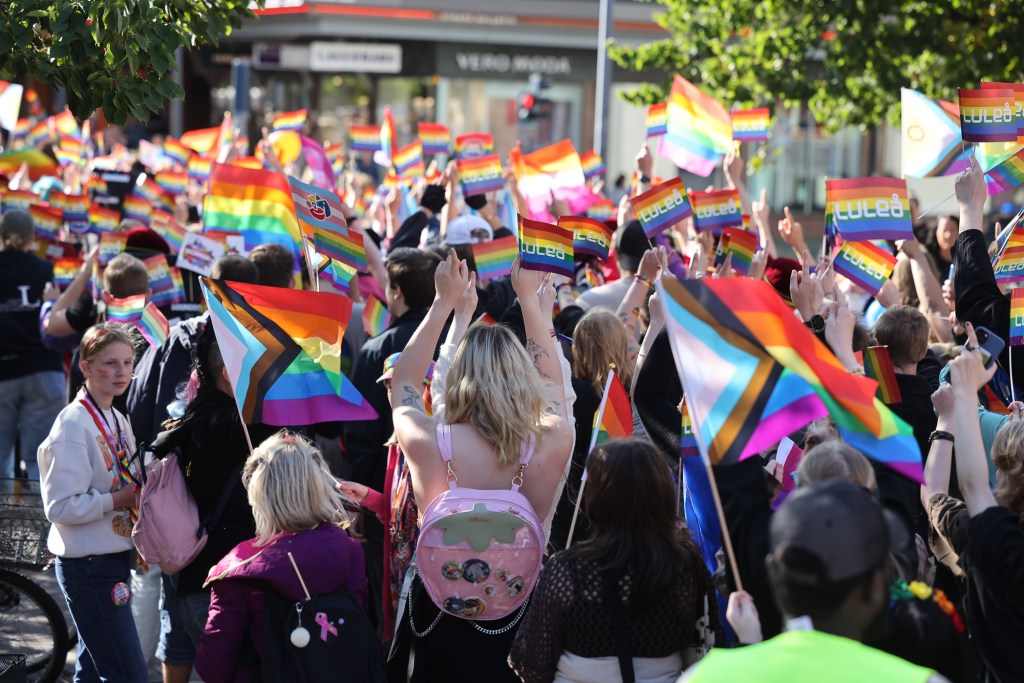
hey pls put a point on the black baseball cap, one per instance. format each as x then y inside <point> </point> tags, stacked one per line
<point>630,245</point>
<point>838,524</point>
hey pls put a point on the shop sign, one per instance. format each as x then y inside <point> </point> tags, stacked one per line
<point>355,57</point>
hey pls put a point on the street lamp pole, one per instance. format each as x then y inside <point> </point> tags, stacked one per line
<point>603,85</point>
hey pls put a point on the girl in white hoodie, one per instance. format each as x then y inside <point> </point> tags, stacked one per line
<point>89,496</point>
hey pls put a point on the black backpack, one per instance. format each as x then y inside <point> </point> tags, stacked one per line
<point>348,651</point>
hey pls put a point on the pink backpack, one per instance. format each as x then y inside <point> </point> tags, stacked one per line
<point>479,551</point>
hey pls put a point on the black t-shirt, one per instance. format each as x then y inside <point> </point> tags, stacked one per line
<point>22,279</point>
<point>994,563</point>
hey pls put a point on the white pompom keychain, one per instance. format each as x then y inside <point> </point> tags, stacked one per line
<point>300,636</point>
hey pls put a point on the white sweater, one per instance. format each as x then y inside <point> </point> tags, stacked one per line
<point>77,480</point>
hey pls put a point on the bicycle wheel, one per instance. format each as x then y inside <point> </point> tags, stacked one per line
<point>32,624</point>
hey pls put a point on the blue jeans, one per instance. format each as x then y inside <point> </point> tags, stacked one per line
<point>176,646</point>
<point>28,407</point>
<point>108,644</point>
<point>193,608</point>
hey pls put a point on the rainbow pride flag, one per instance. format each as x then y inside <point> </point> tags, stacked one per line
<point>868,208</point>
<point>555,169</point>
<point>38,163</point>
<point>111,244</point>
<point>878,366</point>
<point>201,140</point>
<point>434,137</point>
<point>346,247</point>
<point>66,158</point>
<point>657,119</point>
<point>38,134</point>
<point>1018,99</point>
<point>988,115</point>
<point>289,120</point>
<point>76,210</point>
<point>388,140</point>
<point>593,165</point>
<point>199,168</point>
<point>1007,174</point>
<point>18,200</point>
<point>1016,316</point>
<point>590,237</point>
<point>480,175</point>
<point>546,247</point>
<point>699,129</point>
<point>408,161</point>
<point>48,220</point>
<point>321,214</point>
<point>175,182</point>
<point>335,155</point>
<point>338,276</point>
<point>494,259</point>
<point>21,128</point>
<point>473,145</point>
<point>282,353</point>
<point>225,137</point>
<point>363,137</point>
<point>168,228</point>
<point>661,207</point>
<point>254,202</point>
<point>137,208</point>
<point>751,125</point>
<point>177,152</point>
<point>687,442</point>
<point>865,265</point>
<point>153,325</point>
<point>602,210</point>
<point>614,416</point>
<point>161,283</point>
<point>376,317</point>
<point>102,219</point>
<point>716,210</point>
<point>65,270</point>
<point>741,244</point>
<point>126,310</point>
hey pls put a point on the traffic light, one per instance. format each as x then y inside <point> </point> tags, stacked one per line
<point>527,107</point>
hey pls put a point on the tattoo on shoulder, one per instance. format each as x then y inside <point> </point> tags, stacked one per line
<point>412,398</point>
<point>554,408</point>
<point>537,353</point>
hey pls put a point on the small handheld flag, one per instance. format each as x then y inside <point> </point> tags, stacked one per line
<point>147,318</point>
<point>988,116</point>
<point>408,161</point>
<point>878,366</point>
<point>750,125</point>
<point>479,175</point>
<point>376,317</point>
<point>865,265</point>
<point>289,120</point>
<point>65,270</point>
<point>1017,317</point>
<point>741,244</point>
<point>657,119</point>
<point>434,137</point>
<point>494,259</point>
<point>590,237</point>
<point>47,220</point>
<point>661,207</point>
<point>593,165</point>
<point>111,244</point>
<point>363,138</point>
<point>602,211</point>
<point>1007,174</point>
<point>546,247</point>
<point>868,208</point>
<point>716,210</point>
<point>473,145</point>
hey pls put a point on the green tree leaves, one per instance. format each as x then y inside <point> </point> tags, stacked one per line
<point>846,58</point>
<point>117,55</point>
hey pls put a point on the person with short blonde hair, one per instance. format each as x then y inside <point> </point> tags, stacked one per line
<point>291,488</point>
<point>835,460</point>
<point>300,518</point>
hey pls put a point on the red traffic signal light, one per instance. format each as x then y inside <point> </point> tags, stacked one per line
<point>528,101</point>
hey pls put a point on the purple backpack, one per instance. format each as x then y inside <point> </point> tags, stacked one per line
<point>479,551</point>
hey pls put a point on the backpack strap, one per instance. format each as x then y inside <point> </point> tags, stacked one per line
<point>526,450</point>
<point>444,443</point>
<point>211,520</point>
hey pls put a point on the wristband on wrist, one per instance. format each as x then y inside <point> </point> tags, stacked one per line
<point>642,280</point>
<point>939,435</point>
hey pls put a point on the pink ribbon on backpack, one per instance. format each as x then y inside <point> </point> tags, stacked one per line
<point>325,626</point>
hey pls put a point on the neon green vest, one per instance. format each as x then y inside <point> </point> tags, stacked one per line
<point>812,656</point>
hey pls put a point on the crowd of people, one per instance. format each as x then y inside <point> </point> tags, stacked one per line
<point>857,574</point>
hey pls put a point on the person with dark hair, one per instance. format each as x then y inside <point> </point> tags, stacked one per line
<point>408,234</point>
<point>637,567</point>
<point>410,292</point>
<point>827,568</point>
<point>275,263</point>
<point>630,244</point>
<point>31,376</point>
<point>159,374</point>
<point>213,447</point>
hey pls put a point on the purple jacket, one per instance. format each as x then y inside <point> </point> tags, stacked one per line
<point>327,558</point>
